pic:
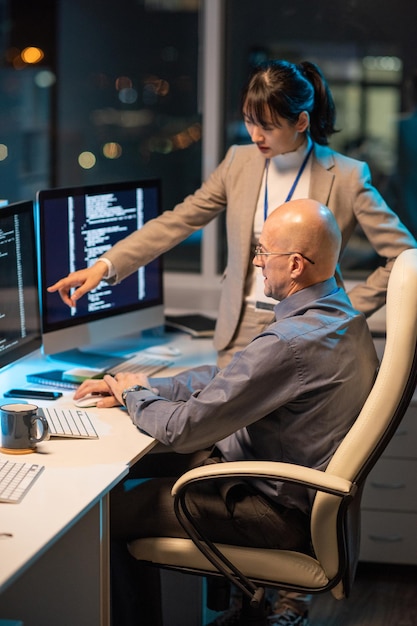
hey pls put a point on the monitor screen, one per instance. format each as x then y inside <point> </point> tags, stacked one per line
<point>76,226</point>
<point>20,332</point>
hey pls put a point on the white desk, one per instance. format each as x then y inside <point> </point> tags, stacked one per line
<point>54,567</point>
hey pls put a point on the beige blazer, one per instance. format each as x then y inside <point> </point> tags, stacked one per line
<point>341,183</point>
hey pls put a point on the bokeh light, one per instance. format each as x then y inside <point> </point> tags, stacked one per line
<point>112,150</point>
<point>123,82</point>
<point>32,55</point>
<point>128,95</point>
<point>154,88</point>
<point>4,152</point>
<point>45,79</point>
<point>87,160</point>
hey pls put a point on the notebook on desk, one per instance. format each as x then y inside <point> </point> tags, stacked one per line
<point>52,378</point>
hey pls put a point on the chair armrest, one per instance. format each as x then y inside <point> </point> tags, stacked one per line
<point>285,472</point>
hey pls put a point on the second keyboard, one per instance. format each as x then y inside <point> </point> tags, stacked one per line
<point>141,364</point>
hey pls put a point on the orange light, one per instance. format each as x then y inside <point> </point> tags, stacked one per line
<point>112,150</point>
<point>123,82</point>
<point>32,55</point>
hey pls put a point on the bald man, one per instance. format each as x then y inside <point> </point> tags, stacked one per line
<point>290,395</point>
<point>300,225</point>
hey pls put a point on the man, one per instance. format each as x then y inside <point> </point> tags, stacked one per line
<point>290,395</point>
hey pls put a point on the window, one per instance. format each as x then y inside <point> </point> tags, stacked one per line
<point>366,53</point>
<point>108,93</point>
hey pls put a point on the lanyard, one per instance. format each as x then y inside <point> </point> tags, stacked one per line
<point>294,185</point>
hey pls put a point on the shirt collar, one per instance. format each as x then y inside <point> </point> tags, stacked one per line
<point>292,160</point>
<point>300,300</point>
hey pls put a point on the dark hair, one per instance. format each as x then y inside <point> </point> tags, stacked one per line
<point>284,89</point>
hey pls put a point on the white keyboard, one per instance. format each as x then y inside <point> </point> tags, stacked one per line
<point>74,423</point>
<point>16,479</point>
<point>140,364</point>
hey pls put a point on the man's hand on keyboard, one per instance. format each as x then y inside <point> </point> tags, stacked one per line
<point>122,381</point>
<point>110,388</point>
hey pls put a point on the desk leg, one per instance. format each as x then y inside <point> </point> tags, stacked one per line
<point>105,561</point>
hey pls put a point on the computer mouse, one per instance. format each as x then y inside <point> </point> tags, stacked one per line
<point>164,350</point>
<point>88,401</point>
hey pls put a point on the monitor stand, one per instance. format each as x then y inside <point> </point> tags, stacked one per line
<point>109,354</point>
<point>92,360</point>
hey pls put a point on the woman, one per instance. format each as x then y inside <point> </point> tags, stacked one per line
<point>289,113</point>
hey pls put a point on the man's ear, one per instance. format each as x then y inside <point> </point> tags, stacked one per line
<point>303,121</point>
<point>297,265</point>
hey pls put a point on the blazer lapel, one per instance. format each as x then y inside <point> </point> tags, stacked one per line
<point>322,178</point>
<point>252,172</point>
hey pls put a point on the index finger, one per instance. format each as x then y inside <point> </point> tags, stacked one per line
<point>65,283</point>
<point>91,386</point>
<point>64,287</point>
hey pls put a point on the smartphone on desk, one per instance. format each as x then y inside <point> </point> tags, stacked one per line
<point>35,394</point>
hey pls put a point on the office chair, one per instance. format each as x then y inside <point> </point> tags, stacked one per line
<point>335,516</point>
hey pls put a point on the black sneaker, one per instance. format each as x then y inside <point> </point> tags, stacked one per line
<point>288,617</point>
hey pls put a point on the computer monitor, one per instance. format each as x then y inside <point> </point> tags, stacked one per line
<point>76,225</point>
<point>20,330</point>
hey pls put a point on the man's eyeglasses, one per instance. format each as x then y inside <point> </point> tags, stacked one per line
<point>260,252</point>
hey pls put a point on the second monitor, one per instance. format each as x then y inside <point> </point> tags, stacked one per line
<point>20,332</point>
<point>76,226</point>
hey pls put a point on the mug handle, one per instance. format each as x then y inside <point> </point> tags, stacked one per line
<point>44,429</point>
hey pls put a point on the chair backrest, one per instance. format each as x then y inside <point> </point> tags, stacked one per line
<point>376,423</point>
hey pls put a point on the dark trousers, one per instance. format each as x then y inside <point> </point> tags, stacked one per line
<point>142,506</point>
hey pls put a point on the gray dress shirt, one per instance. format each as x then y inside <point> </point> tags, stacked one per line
<point>290,395</point>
